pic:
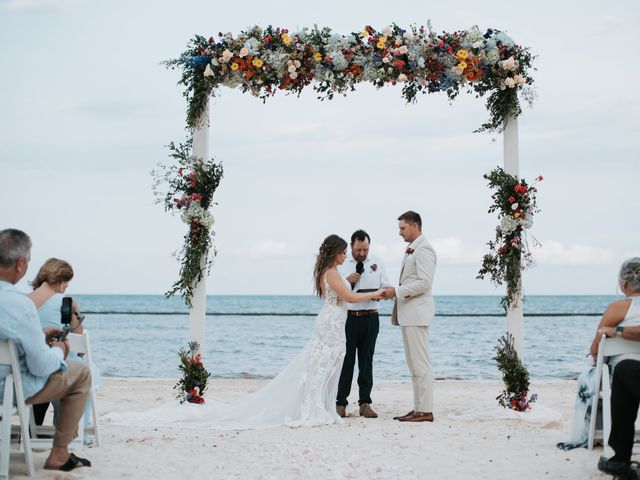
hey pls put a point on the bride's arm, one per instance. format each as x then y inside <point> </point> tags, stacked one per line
<point>337,285</point>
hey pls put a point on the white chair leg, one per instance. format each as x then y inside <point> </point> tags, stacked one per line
<point>96,419</point>
<point>5,426</point>
<point>606,411</point>
<point>594,411</point>
<point>23,414</point>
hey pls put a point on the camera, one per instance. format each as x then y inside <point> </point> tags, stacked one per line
<point>66,315</point>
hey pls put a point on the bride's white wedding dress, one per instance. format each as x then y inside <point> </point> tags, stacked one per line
<point>303,394</point>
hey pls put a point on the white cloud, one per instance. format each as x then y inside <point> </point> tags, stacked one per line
<point>34,5</point>
<point>552,252</point>
<point>450,251</point>
<point>267,248</point>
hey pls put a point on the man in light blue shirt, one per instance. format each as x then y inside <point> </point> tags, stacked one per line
<point>45,375</point>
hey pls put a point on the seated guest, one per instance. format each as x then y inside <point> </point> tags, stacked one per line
<point>619,314</point>
<point>45,374</point>
<point>49,285</point>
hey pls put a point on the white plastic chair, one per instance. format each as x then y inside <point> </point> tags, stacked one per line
<point>78,343</point>
<point>607,348</point>
<point>13,383</point>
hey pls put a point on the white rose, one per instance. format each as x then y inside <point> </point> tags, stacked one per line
<point>226,55</point>
<point>387,31</point>
<point>514,206</point>
<point>519,79</point>
<point>405,35</point>
<point>293,75</point>
<point>385,60</point>
<point>511,83</point>
<point>244,52</point>
<point>478,44</point>
<point>509,64</point>
<point>208,72</point>
<point>403,49</point>
<point>291,69</point>
<point>402,77</point>
<point>297,63</point>
<point>421,63</point>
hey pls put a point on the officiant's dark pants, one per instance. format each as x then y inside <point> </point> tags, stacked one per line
<point>625,399</point>
<point>361,335</point>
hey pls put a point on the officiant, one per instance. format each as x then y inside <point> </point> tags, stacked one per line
<point>364,273</point>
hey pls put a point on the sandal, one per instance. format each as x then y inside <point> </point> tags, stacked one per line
<point>72,463</point>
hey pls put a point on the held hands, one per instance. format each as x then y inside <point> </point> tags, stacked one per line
<point>388,293</point>
<point>378,294</point>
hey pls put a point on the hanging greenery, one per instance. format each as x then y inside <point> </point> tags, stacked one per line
<point>509,253</point>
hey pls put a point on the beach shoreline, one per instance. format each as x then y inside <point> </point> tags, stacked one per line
<point>470,438</point>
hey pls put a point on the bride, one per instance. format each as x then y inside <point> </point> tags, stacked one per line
<point>304,393</point>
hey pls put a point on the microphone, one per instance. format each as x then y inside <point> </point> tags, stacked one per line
<point>359,270</point>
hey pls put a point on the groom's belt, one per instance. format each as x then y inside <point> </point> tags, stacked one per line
<point>361,313</point>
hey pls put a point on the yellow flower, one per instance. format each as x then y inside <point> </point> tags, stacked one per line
<point>286,39</point>
<point>383,39</point>
<point>234,66</point>
<point>364,34</point>
<point>380,45</point>
<point>257,62</point>
<point>462,54</point>
<point>462,65</point>
<point>317,56</point>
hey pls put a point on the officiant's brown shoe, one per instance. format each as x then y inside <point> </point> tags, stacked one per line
<point>367,412</point>
<point>341,410</point>
<point>418,417</point>
<point>410,414</point>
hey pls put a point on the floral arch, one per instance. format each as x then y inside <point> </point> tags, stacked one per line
<point>265,61</point>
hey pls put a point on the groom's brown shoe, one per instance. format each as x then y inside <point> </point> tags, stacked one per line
<point>367,412</point>
<point>418,417</point>
<point>341,410</point>
<point>410,414</point>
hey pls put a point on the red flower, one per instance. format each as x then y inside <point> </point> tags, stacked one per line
<point>520,189</point>
<point>502,250</point>
<point>512,199</point>
<point>540,178</point>
<point>399,63</point>
<point>179,171</point>
<point>374,267</point>
<point>409,251</point>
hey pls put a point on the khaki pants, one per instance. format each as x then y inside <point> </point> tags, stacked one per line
<point>416,351</point>
<point>71,388</point>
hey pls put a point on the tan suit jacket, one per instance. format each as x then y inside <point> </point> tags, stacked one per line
<point>414,303</point>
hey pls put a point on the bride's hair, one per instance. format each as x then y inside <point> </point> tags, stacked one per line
<point>332,246</point>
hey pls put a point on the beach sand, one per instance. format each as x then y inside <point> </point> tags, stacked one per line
<point>471,438</point>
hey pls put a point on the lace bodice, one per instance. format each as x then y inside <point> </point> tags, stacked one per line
<point>331,297</point>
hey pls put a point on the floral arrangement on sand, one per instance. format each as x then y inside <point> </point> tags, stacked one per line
<point>192,385</point>
<point>514,375</point>
<point>265,61</point>
<point>509,253</point>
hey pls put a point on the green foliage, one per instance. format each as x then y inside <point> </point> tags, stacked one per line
<point>509,255</point>
<point>192,385</point>
<point>514,375</point>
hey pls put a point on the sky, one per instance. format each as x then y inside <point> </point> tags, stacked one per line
<point>87,109</point>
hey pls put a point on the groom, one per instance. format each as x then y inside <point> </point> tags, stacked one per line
<point>414,311</point>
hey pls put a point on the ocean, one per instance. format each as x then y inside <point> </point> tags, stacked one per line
<point>256,336</point>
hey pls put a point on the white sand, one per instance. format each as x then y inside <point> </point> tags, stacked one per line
<point>463,442</point>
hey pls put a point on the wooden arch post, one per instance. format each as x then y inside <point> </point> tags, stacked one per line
<point>198,309</point>
<point>515,313</point>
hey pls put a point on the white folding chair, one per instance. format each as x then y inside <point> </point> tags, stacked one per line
<point>13,383</point>
<point>78,343</point>
<point>607,348</point>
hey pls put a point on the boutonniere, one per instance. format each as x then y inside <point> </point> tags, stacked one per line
<point>374,267</point>
<point>409,251</point>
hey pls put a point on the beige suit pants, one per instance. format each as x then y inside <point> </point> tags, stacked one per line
<point>417,353</point>
<point>71,388</point>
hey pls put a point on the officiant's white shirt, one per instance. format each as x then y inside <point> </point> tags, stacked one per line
<point>373,276</point>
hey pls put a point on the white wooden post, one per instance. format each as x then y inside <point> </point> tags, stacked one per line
<point>515,314</point>
<point>198,310</point>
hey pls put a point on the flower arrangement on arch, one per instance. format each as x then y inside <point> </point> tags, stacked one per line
<point>509,253</point>
<point>264,61</point>
<point>192,385</point>
<point>514,375</point>
<point>191,183</point>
